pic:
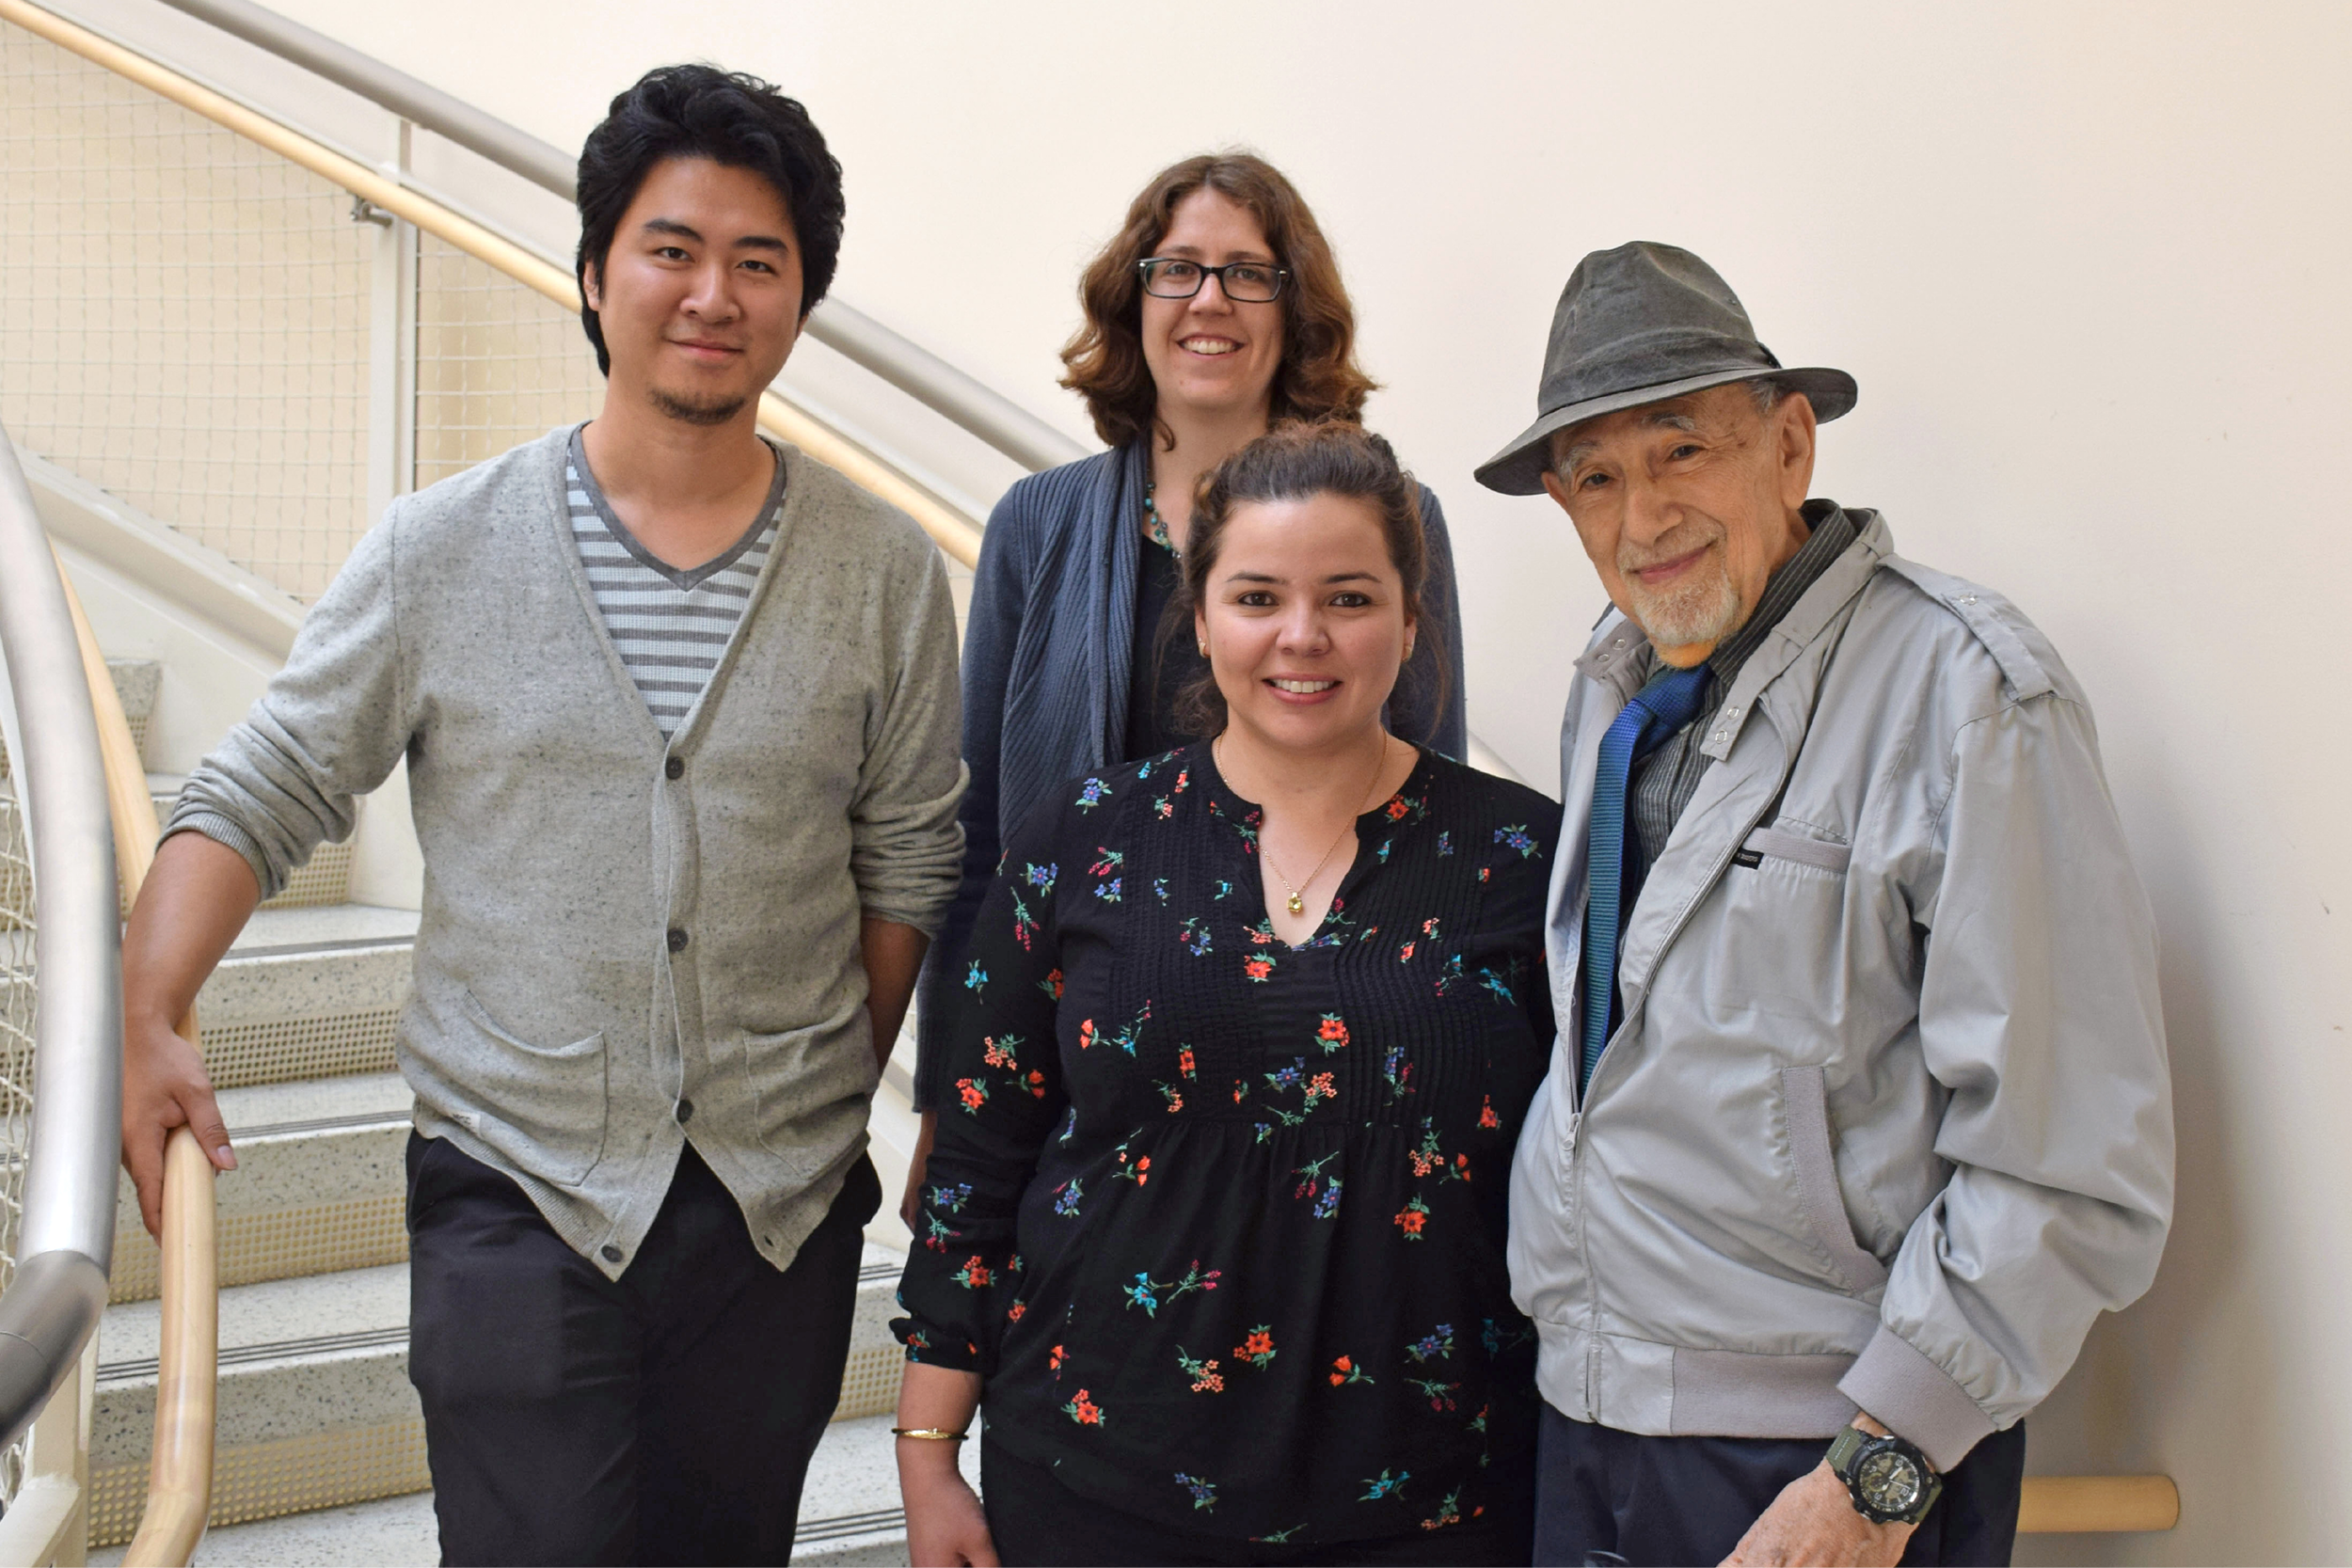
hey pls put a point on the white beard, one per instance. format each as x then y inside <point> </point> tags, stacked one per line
<point>1702,611</point>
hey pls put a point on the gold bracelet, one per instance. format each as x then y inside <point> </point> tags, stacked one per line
<point>934,1435</point>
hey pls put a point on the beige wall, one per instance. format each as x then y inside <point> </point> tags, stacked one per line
<point>2087,262</point>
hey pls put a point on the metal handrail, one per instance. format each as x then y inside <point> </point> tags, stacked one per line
<point>849,332</point>
<point>65,1242</point>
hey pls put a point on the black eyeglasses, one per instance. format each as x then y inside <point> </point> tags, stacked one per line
<point>1244,282</point>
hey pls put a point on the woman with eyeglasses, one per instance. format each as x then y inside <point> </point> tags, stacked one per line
<point>1216,1222</point>
<point>1214,312</point>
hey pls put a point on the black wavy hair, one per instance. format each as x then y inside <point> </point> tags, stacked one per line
<point>699,111</point>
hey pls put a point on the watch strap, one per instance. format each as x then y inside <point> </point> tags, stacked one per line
<point>1844,1447</point>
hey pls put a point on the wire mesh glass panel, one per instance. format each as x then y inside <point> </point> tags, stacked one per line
<point>184,316</point>
<point>16,1024</point>
<point>496,364</point>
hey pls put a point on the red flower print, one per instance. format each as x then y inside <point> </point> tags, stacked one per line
<point>1018,1308</point>
<point>1183,1060</point>
<point>1037,1085</point>
<point>1257,1349</point>
<point>1332,1032</point>
<point>1397,807</point>
<point>1257,969</point>
<point>1052,1360</point>
<point>1086,1033</point>
<point>972,1093</point>
<point>1412,1218</point>
<point>1055,981</point>
<point>1486,1116</point>
<point>1084,1411</point>
<point>1405,954</point>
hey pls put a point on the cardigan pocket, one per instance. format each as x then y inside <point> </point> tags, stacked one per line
<point>541,1107</point>
<point>809,1087</point>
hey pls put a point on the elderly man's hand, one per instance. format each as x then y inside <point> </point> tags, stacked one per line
<point>1814,1521</point>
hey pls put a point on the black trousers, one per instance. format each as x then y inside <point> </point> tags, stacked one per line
<point>665,1416</point>
<point>1037,1522</point>
<point>1690,1499</point>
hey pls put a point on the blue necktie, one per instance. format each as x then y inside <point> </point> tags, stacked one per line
<point>1668,703</point>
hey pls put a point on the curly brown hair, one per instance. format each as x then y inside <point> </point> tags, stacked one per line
<point>1318,378</point>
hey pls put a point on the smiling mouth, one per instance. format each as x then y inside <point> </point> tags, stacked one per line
<point>1302,688</point>
<point>1657,572</point>
<point>1208,346</point>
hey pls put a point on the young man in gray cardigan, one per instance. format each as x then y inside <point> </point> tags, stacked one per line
<point>680,717</point>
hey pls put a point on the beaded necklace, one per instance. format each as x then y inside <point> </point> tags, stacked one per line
<point>1153,528</point>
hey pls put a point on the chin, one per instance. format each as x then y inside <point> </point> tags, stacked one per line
<point>1305,729</point>
<point>1707,615</point>
<point>701,406</point>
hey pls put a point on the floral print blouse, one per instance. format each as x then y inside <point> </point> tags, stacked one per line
<point>1220,1220</point>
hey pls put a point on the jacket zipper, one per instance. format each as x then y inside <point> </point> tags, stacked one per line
<point>1633,1007</point>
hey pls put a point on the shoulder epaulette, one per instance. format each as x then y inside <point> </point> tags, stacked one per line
<point>1986,614</point>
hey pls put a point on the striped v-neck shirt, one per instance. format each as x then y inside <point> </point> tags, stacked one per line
<point>669,626</point>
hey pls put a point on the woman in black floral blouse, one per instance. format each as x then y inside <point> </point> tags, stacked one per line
<point>1216,1227</point>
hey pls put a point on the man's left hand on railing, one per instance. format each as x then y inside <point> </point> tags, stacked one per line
<point>196,899</point>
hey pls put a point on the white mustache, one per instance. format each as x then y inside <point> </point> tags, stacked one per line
<point>1681,542</point>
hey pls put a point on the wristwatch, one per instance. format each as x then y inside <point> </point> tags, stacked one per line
<point>1891,1482</point>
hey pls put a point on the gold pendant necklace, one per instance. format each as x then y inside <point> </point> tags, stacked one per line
<point>1298,903</point>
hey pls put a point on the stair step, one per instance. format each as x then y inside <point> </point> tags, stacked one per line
<point>315,1407</point>
<point>137,682</point>
<point>314,1403</point>
<point>319,1185</point>
<point>324,878</point>
<point>308,993</point>
<point>850,1514</point>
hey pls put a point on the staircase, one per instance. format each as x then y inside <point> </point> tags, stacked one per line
<point>316,1412</point>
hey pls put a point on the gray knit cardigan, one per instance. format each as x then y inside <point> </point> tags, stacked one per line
<point>624,943</point>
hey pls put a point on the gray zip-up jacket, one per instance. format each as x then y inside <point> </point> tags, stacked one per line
<point>624,940</point>
<point>1888,1121</point>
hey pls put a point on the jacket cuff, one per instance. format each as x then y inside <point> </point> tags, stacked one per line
<point>223,832</point>
<point>1916,1400</point>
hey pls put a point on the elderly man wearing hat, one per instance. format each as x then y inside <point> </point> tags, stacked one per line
<point>1859,1112</point>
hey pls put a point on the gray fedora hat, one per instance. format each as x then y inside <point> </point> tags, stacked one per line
<point>1642,324</point>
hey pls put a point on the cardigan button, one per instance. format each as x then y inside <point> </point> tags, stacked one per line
<point>685,1112</point>
<point>611,1253</point>
<point>678,939</point>
<point>673,768</point>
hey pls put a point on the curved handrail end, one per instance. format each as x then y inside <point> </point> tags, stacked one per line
<point>51,1309</point>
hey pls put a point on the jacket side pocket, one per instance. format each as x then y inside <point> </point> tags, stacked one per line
<point>1804,1092</point>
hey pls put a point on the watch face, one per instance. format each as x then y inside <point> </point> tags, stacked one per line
<point>1888,1481</point>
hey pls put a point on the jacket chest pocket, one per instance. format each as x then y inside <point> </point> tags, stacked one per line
<point>1774,933</point>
